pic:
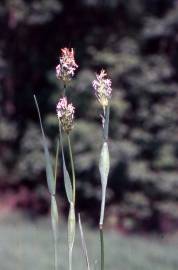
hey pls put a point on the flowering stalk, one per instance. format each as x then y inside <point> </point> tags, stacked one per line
<point>103,90</point>
<point>65,112</point>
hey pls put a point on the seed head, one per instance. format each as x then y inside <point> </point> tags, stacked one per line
<point>102,87</point>
<point>65,113</point>
<point>67,65</point>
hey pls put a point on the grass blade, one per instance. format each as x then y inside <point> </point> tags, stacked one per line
<point>104,165</point>
<point>67,180</point>
<point>56,162</point>
<point>49,171</point>
<point>73,171</point>
<point>54,215</point>
<point>84,247</point>
<point>54,221</point>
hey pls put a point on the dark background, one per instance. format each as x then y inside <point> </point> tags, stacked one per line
<point>137,42</point>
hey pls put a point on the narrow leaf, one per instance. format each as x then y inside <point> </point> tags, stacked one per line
<point>49,171</point>
<point>67,180</point>
<point>104,164</point>
<point>54,221</point>
<point>84,247</point>
<point>54,215</point>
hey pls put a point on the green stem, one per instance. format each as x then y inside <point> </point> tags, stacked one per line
<point>64,89</point>
<point>104,111</point>
<point>72,167</point>
<point>102,246</point>
<point>70,259</point>
<point>106,123</point>
<point>103,201</point>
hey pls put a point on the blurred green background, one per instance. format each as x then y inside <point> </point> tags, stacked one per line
<point>137,42</point>
<point>28,245</point>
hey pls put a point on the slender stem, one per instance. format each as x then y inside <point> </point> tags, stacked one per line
<point>102,246</point>
<point>70,259</point>
<point>73,170</point>
<point>106,123</point>
<point>103,200</point>
<point>104,111</point>
<point>64,89</point>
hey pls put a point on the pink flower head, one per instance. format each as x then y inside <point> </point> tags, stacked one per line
<point>102,87</point>
<point>67,65</point>
<point>65,113</point>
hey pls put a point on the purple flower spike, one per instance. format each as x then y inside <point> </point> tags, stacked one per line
<point>67,65</point>
<point>65,113</point>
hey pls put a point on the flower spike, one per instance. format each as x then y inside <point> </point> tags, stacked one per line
<point>102,87</point>
<point>67,65</point>
<point>65,113</point>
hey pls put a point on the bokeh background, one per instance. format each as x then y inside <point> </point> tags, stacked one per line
<point>136,41</point>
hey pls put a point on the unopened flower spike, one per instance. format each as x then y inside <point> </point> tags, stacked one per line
<point>102,87</point>
<point>67,65</point>
<point>65,113</point>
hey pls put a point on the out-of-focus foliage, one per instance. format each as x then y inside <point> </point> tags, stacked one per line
<point>137,42</point>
